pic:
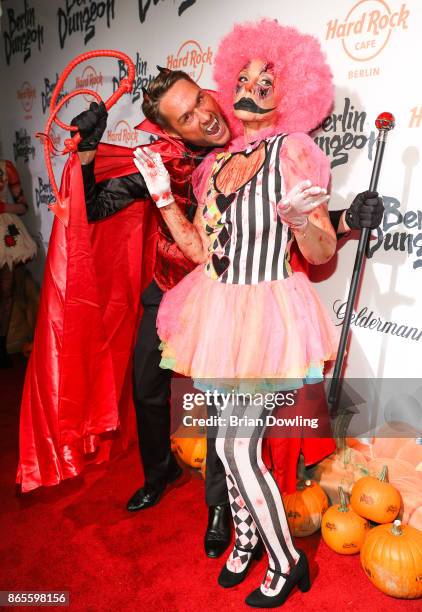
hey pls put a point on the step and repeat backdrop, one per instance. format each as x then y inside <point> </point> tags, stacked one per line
<point>373,48</point>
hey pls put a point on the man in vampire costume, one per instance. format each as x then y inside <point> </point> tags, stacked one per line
<point>89,333</point>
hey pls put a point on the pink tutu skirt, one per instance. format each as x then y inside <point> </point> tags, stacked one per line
<point>270,330</point>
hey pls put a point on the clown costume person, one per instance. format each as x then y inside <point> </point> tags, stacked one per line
<point>243,318</point>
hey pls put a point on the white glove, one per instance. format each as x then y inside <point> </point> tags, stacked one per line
<point>301,200</point>
<point>155,174</point>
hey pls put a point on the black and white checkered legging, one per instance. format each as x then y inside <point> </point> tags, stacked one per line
<point>255,499</point>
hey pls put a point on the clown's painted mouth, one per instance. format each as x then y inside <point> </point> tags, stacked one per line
<point>247,104</point>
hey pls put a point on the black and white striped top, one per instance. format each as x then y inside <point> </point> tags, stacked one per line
<point>249,243</point>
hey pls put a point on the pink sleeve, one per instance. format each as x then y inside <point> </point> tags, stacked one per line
<point>200,178</point>
<point>302,159</point>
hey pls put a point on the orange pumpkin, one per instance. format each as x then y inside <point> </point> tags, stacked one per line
<point>305,507</point>
<point>375,498</point>
<point>392,559</point>
<point>342,529</point>
<point>342,468</point>
<point>191,450</point>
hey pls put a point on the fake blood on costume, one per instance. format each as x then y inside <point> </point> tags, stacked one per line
<point>77,391</point>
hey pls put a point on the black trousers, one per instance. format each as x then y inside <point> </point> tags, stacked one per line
<point>151,388</point>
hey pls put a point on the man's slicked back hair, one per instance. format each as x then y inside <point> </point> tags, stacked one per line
<point>156,90</point>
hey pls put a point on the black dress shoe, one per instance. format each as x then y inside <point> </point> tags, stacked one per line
<point>148,496</point>
<point>299,576</point>
<point>218,534</point>
<point>229,579</point>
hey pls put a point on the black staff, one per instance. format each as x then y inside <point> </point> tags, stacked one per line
<point>384,123</point>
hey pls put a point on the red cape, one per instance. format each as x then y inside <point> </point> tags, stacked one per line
<point>78,383</point>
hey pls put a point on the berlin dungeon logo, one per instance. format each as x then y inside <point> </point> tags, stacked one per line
<point>23,147</point>
<point>82,16</point>
<point>142,78</point>
<point>344,132</point>
<point>47,93</point>
<point>399,232</point>
<point>43,193</point>
<point>22,32</point>
<point>145,5</point>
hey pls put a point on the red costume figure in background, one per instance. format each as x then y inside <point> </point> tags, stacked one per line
<point>16,246</point>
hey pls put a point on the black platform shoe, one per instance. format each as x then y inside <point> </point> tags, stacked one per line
<point>229,579</point>
<point>299,576</point>
<point>218,533</point>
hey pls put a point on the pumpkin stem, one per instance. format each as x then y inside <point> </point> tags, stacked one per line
<point>397,528</point>
<point>302,484</point>
<point>383,477</point>
<point>343,503</point>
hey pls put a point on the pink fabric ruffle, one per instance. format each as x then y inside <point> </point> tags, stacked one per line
<point>214,330</point>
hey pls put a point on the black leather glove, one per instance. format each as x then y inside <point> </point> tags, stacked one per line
<point>366,210</point>
<point>91,125</point>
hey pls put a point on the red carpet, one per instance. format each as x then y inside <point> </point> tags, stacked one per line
<point>78,537</point>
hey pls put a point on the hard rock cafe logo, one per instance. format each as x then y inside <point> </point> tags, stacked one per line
<point>23,147</point>
<point>89,79</point>
<point>56,139</point>
<point>47,93</point>
<point>345,131</point>
<point>26,96</point>
<point>367,28</point>
<point>191,58</point>
<point>142,77</point>
<point>43,193</point>
<point>123,133</point>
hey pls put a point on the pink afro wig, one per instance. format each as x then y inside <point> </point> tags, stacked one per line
<point>303,79</point>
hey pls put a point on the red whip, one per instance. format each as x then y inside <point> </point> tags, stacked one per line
<point>60,207</point>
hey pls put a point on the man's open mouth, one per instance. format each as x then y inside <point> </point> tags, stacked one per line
<point>214,128</point>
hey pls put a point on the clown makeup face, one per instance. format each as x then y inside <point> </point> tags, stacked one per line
<point>254,98</point>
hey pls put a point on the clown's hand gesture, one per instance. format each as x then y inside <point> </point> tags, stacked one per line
<point>299,202</point>
<point>155,174</point>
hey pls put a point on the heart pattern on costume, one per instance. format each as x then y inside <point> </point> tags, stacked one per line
<point>223,202</point>
<point>220,264</point>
